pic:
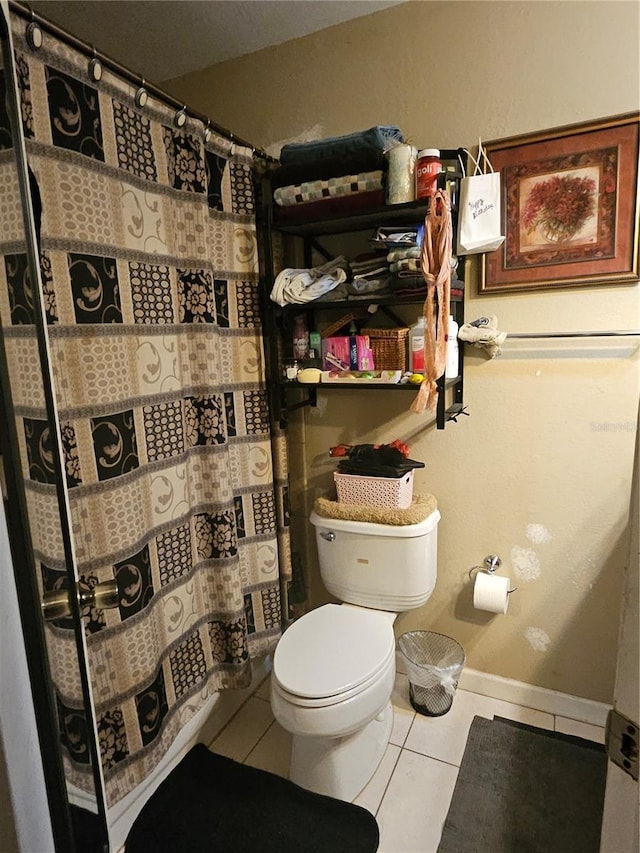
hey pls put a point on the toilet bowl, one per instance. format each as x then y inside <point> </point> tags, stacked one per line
<point>334,668</point>
<point>332,680</point>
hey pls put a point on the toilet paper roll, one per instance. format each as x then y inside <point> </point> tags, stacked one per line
<point>491,592</point>
<point>401,174</point>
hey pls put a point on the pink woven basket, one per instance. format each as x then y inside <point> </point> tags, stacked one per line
<point>391,492</point>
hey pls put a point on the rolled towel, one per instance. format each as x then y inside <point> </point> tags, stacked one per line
<point>484,334</point>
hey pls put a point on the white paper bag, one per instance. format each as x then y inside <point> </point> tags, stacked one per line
<point>479,224</point>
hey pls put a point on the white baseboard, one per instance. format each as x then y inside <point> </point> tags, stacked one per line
<point>529,695</point>
<point>540,698</point>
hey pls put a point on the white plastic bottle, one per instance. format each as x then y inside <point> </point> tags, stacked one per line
<point>452,363</point>
<point>416,346</point>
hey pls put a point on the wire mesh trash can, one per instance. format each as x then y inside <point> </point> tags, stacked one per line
<point>434,663</point>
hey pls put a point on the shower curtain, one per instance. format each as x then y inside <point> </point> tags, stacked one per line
<point>149,274</point>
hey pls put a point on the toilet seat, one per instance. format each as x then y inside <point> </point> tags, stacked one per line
<point>338,698</point>
<point>332,654</point>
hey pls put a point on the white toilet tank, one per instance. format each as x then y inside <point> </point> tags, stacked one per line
<point>383,566</point>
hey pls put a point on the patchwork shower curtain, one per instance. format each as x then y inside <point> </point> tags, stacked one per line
<point>149,275</point>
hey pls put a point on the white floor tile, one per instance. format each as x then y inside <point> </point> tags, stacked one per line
<point>415,804</point>
<point>500,708</point>
<point>227,705</point>
<point>242,733</point>
<point>273,751</point>
<point>371,797</point>
<point>403,713</point>
<point>445,737</point>
<point>264,691</point>
<point>411,790</point>
<point>579,729</point>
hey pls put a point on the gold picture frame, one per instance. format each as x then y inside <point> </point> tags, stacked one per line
<point>569,207</point>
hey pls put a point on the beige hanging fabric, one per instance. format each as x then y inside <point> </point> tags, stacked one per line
<point>435,260</point>
<point>173,476</point>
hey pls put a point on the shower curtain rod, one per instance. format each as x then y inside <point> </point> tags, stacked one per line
<point>26,12</point>
<point>612,334</point>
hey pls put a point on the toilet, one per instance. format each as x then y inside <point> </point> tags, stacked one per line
<point>334,668</point>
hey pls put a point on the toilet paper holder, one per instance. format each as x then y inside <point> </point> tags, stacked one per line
<point>491,563</point>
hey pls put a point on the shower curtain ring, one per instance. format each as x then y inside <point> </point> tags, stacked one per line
<point>180,118</point>
<point>95,67</point>
<point>33,33</point>
<point>142,96</point>
<point>207,131</point>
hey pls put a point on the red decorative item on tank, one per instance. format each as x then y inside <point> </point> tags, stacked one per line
<point>344,449</point>
<point>340,450</point>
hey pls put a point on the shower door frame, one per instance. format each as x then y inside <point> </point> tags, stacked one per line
<point>18,527</point>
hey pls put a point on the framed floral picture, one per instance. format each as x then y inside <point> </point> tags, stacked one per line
<point>569,207</point>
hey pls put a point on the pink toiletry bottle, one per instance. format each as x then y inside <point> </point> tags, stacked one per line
<point>300,337</point>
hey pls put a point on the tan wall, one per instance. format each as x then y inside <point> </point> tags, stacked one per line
<point>540,473</point>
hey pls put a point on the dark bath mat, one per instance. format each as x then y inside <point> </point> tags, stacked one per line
<point>211,804</point>
<point>524,789</point>
<point>574,739</point>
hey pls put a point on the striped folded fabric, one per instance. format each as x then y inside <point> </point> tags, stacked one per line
<point>328,188</point>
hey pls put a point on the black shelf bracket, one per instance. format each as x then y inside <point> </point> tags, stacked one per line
<point>455,411</point>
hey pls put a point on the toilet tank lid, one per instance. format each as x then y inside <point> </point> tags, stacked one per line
<point>332,649</point>
<point>399,531</point>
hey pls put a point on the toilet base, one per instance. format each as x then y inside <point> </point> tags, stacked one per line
<point>341,767</point>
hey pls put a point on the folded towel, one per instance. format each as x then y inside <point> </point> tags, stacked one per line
<point>421,507</point>
<point>395,237</point>
<point>378,138</point>
<point>370,260</point>
<point>401,254</point>
<point>410,265</point>
<point>304,285</point>
<point>336,294</point>
<point>360,286</point>
<point>343,205</point>
<point>363,182</point>
<point>297,173</point>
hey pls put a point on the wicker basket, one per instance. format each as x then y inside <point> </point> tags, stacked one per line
<point>390,492</point>
<point>389,347</point>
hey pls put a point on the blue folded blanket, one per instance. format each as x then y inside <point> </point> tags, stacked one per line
<point>379,138</point>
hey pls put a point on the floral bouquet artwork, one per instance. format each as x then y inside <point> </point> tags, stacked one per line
<point>559,206</point>
<point>569,207</point>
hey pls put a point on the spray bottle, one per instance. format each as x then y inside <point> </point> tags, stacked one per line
<point>416,346</point>
<point>452,363</point>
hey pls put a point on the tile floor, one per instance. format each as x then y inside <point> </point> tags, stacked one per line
<point>423,755</point>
